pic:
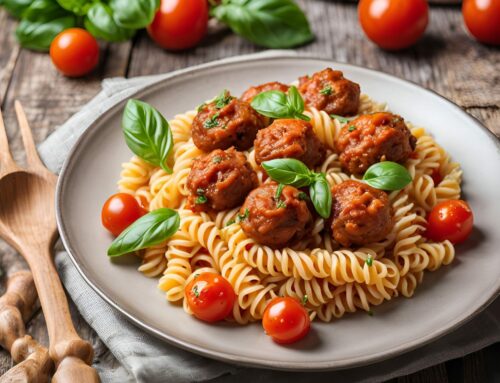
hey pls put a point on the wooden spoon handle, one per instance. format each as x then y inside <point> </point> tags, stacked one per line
<point>72,355</point>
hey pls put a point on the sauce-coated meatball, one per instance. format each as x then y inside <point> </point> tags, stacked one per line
<point>328,90</point>
<point>372,138</point>
<point>253,91</point>
<point>360,214</point>
<point>220,180</point>
<point>226,122</point>
<point>275,221</point>
<point>289,138</point>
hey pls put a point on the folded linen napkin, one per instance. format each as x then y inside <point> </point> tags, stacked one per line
<point>143,358</point>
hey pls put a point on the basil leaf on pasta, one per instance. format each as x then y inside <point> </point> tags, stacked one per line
<point>147,133</point>
<point>277,104</point>
<point>387,175</point>
<point>296,103</point>
<point>321,195</point>
<point>149,230</point>
<point>288,171</point>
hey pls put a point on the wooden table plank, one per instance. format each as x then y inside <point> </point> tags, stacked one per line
<point>10,52</point>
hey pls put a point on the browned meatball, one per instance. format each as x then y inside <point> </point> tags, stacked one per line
<point>220,180</point>
<point>328,90</point>
<point>372,138</point>
<point>253,91</point>
<point>275,221</point>
<point>360,214</point>
<point>226,123</point>
<point>289,139</point>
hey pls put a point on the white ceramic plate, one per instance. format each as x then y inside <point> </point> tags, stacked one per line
<point>446,299</point>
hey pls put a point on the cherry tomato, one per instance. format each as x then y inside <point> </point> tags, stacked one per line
<point>210,297</point>
<point>119,212</point>
<point>451,220</point>
<point>286,320</point>
<point>393,24</point>
<point>74,52</point>
<point>179,24</point>
<point>482,18</point>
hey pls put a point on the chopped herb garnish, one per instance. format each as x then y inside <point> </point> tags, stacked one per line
<point>230,222</point>
<point>369,260</point>
<point>223,99</point>
<point>200,107</point>
<point>200,200</point>
<point>351,128</point>
<point>217,159</point>
<point>370,313</point>
<point>242,217</point>
<point>327,90</point>
<point>212,122</point>
<point>305,298</point>
<point>341,119</point>
<point>279,189</point>
<point>303,196</point>
<point>195,291</point>
<point>280,204</point>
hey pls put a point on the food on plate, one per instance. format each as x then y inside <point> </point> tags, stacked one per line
<point>289,138</point>
<point>373,138</point>
<point>393,24</point>
<point>253,91</point>
<point>220,180</point>
<point>312,217</point>
<point>482,20</point>
<point>330,91</point>
<point>224,122</point>
<point>119,212</point>
<point>275,215</point>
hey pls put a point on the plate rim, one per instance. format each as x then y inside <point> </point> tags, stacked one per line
<point>225,356</point>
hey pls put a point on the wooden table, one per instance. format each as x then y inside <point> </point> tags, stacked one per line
<point>446,60</point>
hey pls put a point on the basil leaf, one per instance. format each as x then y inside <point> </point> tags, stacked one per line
<point>149,230</point>
<point>147,133</point>
<point>321,195</point>
<point>100,23</point>
<point>341,119</point>
<point>44,10</point>
<point>272,103</point>
<point>38,35</point>
<point>296,103</point>
<point>288,171</point>
<point>269,23</point>
<point>16,7</point>
<point>79,7</point>
<point>134,14</point>
<point>387,175</point>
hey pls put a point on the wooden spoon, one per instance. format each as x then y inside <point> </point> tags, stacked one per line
<point>28,223</point>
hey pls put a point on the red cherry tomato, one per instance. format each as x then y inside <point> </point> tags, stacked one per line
<point>451,220</point>
<point>179,24</point>
<point>482,18</point>
<point>74,52</point>
<point>210,297</point>
<point>286,320</point>
<point>119,212</point>
<point>393,24</point>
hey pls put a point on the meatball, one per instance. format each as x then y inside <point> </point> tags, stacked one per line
<point>275,221</point>
<point>255,90</point>
<point>328,90</point>
<point>360,214</point>
<point>226,122</point>
<point>373,138</point>
<point>220,180</point>
<point>289,139</point>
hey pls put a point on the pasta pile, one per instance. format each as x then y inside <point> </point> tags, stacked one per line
<point>335,280</point>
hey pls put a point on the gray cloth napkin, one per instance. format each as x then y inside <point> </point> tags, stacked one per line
<point>143,358</point>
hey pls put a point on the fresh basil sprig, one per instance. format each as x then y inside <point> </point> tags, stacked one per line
<point>269,23</point>
<point>277,104</point>
<point>38,35</point>
<point>147,133</point>
<point>149,230</point>
<point>290,171</point>
<point>101,24</point>
<point>387,175</point>
<point>134,14</point>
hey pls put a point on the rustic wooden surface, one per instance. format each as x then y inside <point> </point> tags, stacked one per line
<point>446,61</point>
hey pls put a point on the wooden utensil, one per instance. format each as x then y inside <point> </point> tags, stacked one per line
<point>28,223</point>
<point>16,307</point>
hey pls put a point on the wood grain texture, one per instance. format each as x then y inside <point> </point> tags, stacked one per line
<point>447,61</point>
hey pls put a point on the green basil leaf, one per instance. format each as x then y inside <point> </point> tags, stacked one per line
<point>321,195</point>
<point>340,119</point>
<point>288,171</point>
<point>295,99</point>
<point>16,7</point>
<point>149,230</point>
<point>134,14</point>
<point>147,133</point>
<point>387,175</point>
<point>44,10</point>
<point>269,23</point>
<point>79,7</point>
<point>101,24</point>
<point>272,103</point>
<point>38,35</point>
